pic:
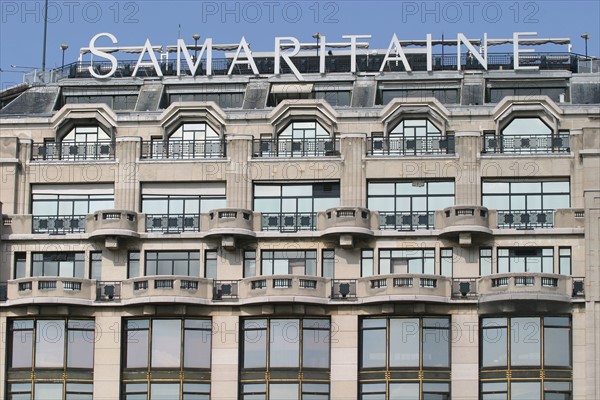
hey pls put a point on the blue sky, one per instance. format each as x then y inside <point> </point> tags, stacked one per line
<point>75,22</point>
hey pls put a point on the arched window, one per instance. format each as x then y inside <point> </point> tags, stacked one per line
<point>412,137</point>
<point>195,140</point>
<point>81,143</point>
<point>305,139</point>
<point>527,135</point>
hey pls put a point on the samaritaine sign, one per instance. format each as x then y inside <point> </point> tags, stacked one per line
<point>287,47</point>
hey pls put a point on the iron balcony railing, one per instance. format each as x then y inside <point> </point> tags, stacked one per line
<point>108,291</point>
<point>333,63</point>
<point>3,290</point>
<point>526,144</point>
<point>172,223</point>
<point>183,149</point>
<point>406,221</point>
<point>72,151</point>
<point>464,288</point>
<point>271,148</point>
<point>403,146</point>
<point>225,290</point>
<point>525,219</point>
<point>289,222</point>
<point>58,224</point>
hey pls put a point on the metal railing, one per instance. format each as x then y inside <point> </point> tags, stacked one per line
<point>72,151</point>
<point>525,219</point>
<point>464,288</point>
<point>288,222</point>
<point>402,146</point>
<point>3,289</point>
<point>343,289</point>
<point>406,221</point>
<point>172,223</point>
<point>163,283</point>
<point>578,287</point>
<point>283,147</point>
<point>58,224</point>
<point>282,283</point>
<point>333,63</point>
<point>108,291</point>
<point>403,282</point>
<point>183,149</point>
<point>526,144</point>
<point>225,290</point>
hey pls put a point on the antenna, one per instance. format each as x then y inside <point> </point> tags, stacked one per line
<point>179,32</point>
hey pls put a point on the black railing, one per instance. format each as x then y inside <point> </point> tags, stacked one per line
<point>406,221</point>
<point>343,289</point>
<point>188,285</point>
<point>3,291</point>
<point>163,283</point>
<point>172,223</point>
<point>282,283</point>
<point>140,285</point>
<point>524,280</point>
<point>307,284</point>
<point>260,284</point>
<point>183,149</point>
<point>288,222</point>
<point>403,282</point>
<point>578,287</point>
<point>333,63</point>
<point>526,144</point>
<point>525,219</point>
<point>500,282</point>
<point>402,146</point>
<point>71,285</point>
<point>24,286</point>
<point>225,290</point>
<point>284,147</point>
<point>72,151</point>
<point>60,224</point>
<point>46,285</point>
<point>108,291</point>
<point>464,288</point>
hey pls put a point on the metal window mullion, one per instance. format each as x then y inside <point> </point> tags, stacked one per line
<point>181,356</point>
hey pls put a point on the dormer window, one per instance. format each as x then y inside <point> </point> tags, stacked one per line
<point>528,135</point>
<point>189,141</point>
<point>412,137</point>
<point>81,143</point>
<point>298,139</point>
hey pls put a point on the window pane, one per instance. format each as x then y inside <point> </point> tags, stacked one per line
<point>285,343</point>
<point>404,391</point>
<point>50,346</point>
<point>436,348</point>
<point>373,348</point>
<point>315,348</point>
<point>525,390</point>
<point>283,391</point>
<point>22,348</point>
<point>137,349</point>
<point>557,347</point>
<point>525,341</point>
<point>255,347</point>
<point>80,352</point>
<point>494,347</point>
<point>197,346</point>
<point>404,342</point>
<point>166,343</point>
<point>48,391</point>
<point>164,391</point>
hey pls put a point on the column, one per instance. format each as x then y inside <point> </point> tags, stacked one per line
<point>344,357</point>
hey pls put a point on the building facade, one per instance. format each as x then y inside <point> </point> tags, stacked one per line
<point>395,235</point>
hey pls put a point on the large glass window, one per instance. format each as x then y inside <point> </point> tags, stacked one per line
<point>298,139</point>
<point>50,359</point>
<point>409,205</point>
<point>395,354</point>
<point>287,348</point>
<point>174,356</point>
<point>526,259</point>
<point>63,208</point>
<point>293,207</point>
<point>410,261</point>
<point>194,140</point>
<point>412,137</point>
<point>529,347</point>
<point>525,203</point>
<point>289,262</point>
<point>179,263</point>
<point>66,265</point>
<point>526,135</point>
<point>179,210</point>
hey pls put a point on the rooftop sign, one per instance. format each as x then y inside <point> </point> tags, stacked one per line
<point>287,47</point>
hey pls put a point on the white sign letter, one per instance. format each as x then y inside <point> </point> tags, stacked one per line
<point>286,56</point>
<point>193,66</point>
<point>400,56</point>
<point>482,60</point>
<point>516,50</point>
<point>353,48</point>
<point>249,61</point>
<point>97,52</point>
<point>153,62</point>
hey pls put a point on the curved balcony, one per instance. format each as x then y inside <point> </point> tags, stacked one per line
<point>417,287</point>
<point>112,225</point>
<point>464,222</point>
<point>167,288</point>
<point>525,286</point>
<point>51,289</point>
<point>283,287</point>
<point>345,222</point>
<point>229,223</point>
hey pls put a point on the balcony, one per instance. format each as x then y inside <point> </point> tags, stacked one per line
<point>229,223</point>
<point>172,223</point>
<point>112,224</point>
<point>525,286</point>
<point>526,144</point>
<point>343,289</point>
<point>408,286</point>
<point>71,151</point>
<point>402,146</point>
<point>183,149</point>
<point>345,222</point>
<point>525,219</point>
<point>58,224</point>
<point>464,222</point>
<point>282,148</point>
<point>16,224</point>
<point>48,289</point>
<point>288,222</point>
<point>284,285</point>
<point>167,286</point>
<point>569,218</point>
<point>108,291</point>
<point>406,221</point>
